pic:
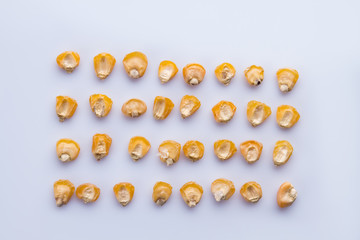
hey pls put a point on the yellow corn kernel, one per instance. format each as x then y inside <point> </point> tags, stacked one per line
<point>191,192</point>
<point>189,105</point>
<point>67,150</point>
<point>254,75</point>
<point>63,191</point>
<point>251,150</point>
<point>101,145</point>
<point>162,107</point>
<point>287,116</point>
<point>224,149</point>
<point>286,195</point>
<point>65,107</point>
<point>104,64</point>
<point>100,104</point>
<point>222,189</point>
<point>287,79</point>
<point>225,73</point>
<point>124,192</point>
<point>251,192</point>
<point>169,152</point>
<point>68,61</point>
<point>135,64</point>
<point>282,152</point>
<point>193,150</point>
<point>138,147</point>
<point>134,108</point>
<point>88,192</point>
<point>167,70</point>
<point>193,74</point>
<point>161,193</point>
<point>224,111</point>
<point>257,112</point>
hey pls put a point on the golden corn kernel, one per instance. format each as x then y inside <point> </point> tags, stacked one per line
<point>124,192</point>
<point>251,150</point>
<point>224,149</point>
<point>100,104</point>
<point>287,116</point>
<point>191,192</point>
<point>68,61</point>
<point>88,192</point>
<point>161,193</point>
<point>251,192</point>
<point>104,64</point>
<point>189,105</point>
<point>134,108</point>
<point>224,111</point>
<point>286,195</point>
<point>169,152</point>
<point>193,74</point>
<point>287,79</point>
<point>65,107</point>
<point>257,112</point>
<point>67,150</point>
<point>135,64</point>
<point>63,191</point>
<point>282,152</point>
<point>254,75</point>
<point>101,145</point>
<point>162,107</point>
<point>138,147</point>
<point>193,150</point>
<point>222,189</point>
<point>224,73</point>
<point>167,70</point>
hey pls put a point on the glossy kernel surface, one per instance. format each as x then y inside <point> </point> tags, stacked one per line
<point>161,193</point>
<point>193,150</point>
<point>169,152</point>
<point>67,150</point>
<point>251,150</point>
<point>68,61</point>
<point>224,111</point>
<point>124,192</point>
<point>286,195</point>
<point>222,189</point>
<point>191,193</point>
<point>189,105</point>
<point>287,116</point>
<point>63,191</point>
<point>224,73</point>
<point>254,75</point>
<point>257,112</point>
<point>134,108</point>
<point>287,78</point>
<point>282,152</point>
<point>162,107</point>
<point>138,147</point>
<point>224,149</point>
<point>104,64</point>
<point>167,70</point>
<point>101,145</point>
<point>193,74</point>
<point>251,192</point>
<point>135,64</point>
<point>65,107</point>
<point>100,105</point>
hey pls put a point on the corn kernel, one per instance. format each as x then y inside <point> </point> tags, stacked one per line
<point>222,189</point>
<point>135,64</point>
<point>67,150</point>
<point>100,104</point>
<point>224,149</point>
<point>138,147</point>
<point>101,145</point>
<point>251,150</point>
<point>191,192</point>
<point>162,107</point>
<point>134,108</point>
<point>254,75</point>
<point>169,152</point>
<point>124,192</point>
<point>287,79</point>
<point>193,74</point>
<point>224,111</point>
<point>193,150</point>
<point>287,116</point>
<point>104,64</point>
<point>257,112</point>
<point>189,105</point>
<point>68,61</point>
<point>167,70</point>
<point>286,195</point>
<point>251,192</point>
<point>65,107</point>
<point>225,73</point>
<point>282,152</point>
<point>88,192</point>
<point>161,193</point>
<point>63,191</point>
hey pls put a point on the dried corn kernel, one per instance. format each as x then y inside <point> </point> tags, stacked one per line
<point>254,75</point>
<point>286,195</point>
<point>67,150</point>
<point>124,192</point>
<point>193,150</point>
<point>287,116</point>
<point>189,105</point>
<point>222,189</point>
<point>257,112</point>
<point>68,61</point>
<point>191,192</point>
<point>193,74</point>
<point>135,64</point>
<point>282,152</point>
<point>167,70</point>
<point>134,108</point>
<point>138,147</point>
<point>224,111</point>
<point>224,149</point>
<point>162,107</point>
<point>100,104</point>
<point>251,150</point>
<point>161,193</point>
<point>101,145</point>
<point>224,73</point>
<point>88,192</point>
<point>104,64</point>
<point>287,79</point>
<point>65,107</point>
<point>63,191</point>
<point>169,152</point>
<point>251,192</point>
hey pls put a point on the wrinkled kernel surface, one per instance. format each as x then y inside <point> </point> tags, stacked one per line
<point>193,150</point>
<point>88,192</point>
<point>225,73</point>
<point>63,191</point>
<point>124,192</point>
<point>251,192</point>
<point>101,145</point>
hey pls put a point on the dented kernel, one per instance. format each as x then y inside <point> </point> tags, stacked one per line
<point>257,112</point>
<point>222,189</point>
<point>287,116</point>
<point>251,192</point>
<point>169,152</point>
<point>63,191</point>
<point>88,192</point>
<point>254,75</point>
<point>224,149</point>
<point>162,107</point>
<point>65,107</point>
<point>67,150</point>
<point>135,64</point>
<point>161,193</point>
<point>191,193</point>
<point>282,152</point>
<point>124,192</point>
<point>225,73</point>
<point>193,150</point>
<point>167,70</point>
<point>101,145</point>
<point>134,108</point>
<point>193,74</point>
<point>286,195</point>
<point>287,79</point>
<point>100,104</point>
<point>251,150</point>
<point>68,61</point>
<point>138,147</point>
<point>104,64</point>
<point>189,105</point>
<point>224,111</point>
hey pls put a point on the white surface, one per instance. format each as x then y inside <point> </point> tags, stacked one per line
<point>318,38</point>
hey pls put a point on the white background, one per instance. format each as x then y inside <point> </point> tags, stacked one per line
<point>318,38</point>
